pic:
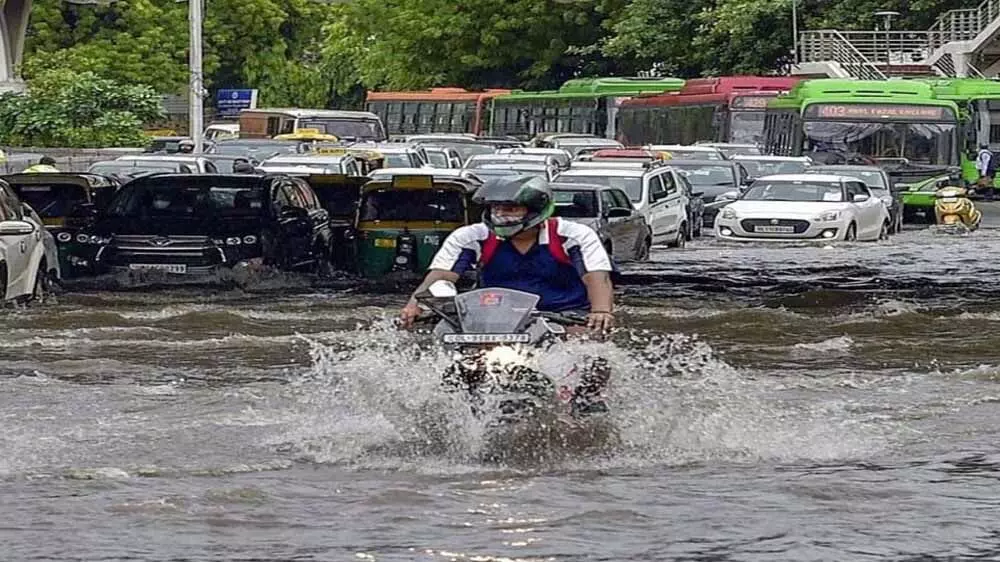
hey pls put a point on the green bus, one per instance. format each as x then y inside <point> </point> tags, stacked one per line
<point>979,101</point>
<point>581,105</point>
<point>899,124</point>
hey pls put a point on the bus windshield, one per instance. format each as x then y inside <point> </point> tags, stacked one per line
<point>746,127</point>
<point>360,129</point>
<point>920,143</point>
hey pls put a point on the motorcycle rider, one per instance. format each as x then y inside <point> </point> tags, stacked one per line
<point>986,167</point>
<point>519,245</point>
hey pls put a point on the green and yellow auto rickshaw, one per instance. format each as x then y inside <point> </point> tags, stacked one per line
<point>68,204</point>
<point>403,219</point>
<point>339,195</point>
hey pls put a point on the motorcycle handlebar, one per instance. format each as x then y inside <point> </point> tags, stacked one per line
<point>562,318</point>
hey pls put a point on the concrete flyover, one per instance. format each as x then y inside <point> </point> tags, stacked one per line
<point>13,28</point>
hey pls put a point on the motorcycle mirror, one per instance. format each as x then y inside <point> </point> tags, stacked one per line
<point>442,289</point>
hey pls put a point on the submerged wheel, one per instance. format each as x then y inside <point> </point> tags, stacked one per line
<point>682,237</point>
<point>643,254</point>
<point>42,285</point>
<point>883,234</point>
<point>852,233</point>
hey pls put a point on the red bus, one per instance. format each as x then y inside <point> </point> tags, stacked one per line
<point>438,110</point>
<point>725,109</point>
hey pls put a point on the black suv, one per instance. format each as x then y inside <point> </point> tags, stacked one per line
<point>194,223</point>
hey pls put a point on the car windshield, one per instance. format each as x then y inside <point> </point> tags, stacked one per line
<point>259,151</point>
<point>680,153</point>
<point>437,159</point>
<point>830,192</point>
<point>413,205</point>
<point>52,200</point>
<point>710,180</point>
<point>761,168</point>
<point>730,151</point>
<point>874,180</point>
<point>465,149</point>
<point>133,168</point>
<point>575,204</point>
<point>216,198</point>
<point>399,161</point>
<point>360,129</point>
<point>632,186</point>
<point>921,143</point>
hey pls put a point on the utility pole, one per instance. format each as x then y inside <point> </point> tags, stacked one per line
<point>196,95</point>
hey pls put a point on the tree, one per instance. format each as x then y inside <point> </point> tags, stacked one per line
<point>77,109</point>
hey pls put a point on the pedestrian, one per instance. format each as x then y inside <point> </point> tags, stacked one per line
<point>986,167</point>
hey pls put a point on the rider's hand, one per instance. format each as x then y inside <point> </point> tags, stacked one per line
<point>409,313</point>
<point>600,321</point>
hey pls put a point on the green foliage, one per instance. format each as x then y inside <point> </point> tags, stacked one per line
<point>77,109</point>
<point>311,53</point>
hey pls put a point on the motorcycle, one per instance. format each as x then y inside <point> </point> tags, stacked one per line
<point>496,334</point>
<point>954,212</point>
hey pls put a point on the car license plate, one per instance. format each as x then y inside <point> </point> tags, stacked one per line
<point>774,229</point>
<point>385,242</point>
<point>168,267</point>
<point>486,338</point>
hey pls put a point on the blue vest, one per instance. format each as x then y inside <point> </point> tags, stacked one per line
<point>538,272</point>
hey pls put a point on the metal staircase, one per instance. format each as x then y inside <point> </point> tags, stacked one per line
<point>949,48</point>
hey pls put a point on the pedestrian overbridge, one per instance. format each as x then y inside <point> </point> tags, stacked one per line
<point>13,28</point>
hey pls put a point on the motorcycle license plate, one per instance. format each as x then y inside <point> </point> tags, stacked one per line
<point>486,338</point>
<point>775,229</point>
<point>949,199</point>
<point>385,242</point>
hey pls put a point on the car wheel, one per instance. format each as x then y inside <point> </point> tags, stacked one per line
<point>42,285</point>
<point>883,233</point>
<point>682,237</point>
<point>643,254</point>
<point>852,233</point>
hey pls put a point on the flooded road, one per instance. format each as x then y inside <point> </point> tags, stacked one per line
<point>771,403</point>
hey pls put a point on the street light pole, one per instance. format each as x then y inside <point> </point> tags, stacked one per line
<point>795,32</point>
<point>196,94</point>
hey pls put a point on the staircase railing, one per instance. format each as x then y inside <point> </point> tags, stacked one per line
<point>831,45</point>
<point>869,48</point>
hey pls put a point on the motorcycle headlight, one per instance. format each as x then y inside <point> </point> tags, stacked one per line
<point>728,213</point>
<point>233,240</point>
<point>828,216</point>
<point>64,237</point>
<point>82,238</point>
<point>249,239</point>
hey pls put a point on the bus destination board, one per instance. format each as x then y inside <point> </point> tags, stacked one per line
<point>879,112</point>
<point>756,102</point>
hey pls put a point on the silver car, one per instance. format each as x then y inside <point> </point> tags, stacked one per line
<point>609,212</point>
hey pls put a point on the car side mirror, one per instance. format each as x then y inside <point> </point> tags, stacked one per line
<point>293,213</point>
<point>749,180</point>
<point>16,228</point>
<point>659,195</point>
<point>617,212</point>
<point>860,197</point>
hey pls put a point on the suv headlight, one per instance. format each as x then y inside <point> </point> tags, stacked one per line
<point>728,213</point>
<point>828,216</point>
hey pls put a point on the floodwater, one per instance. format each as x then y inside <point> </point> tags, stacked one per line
<point>770,403</point>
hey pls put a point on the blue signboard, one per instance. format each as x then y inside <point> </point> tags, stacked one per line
<point>228,103</point>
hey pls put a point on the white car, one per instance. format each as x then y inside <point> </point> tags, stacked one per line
<point>654,190</point>
<point>804,207</point>
<point>310,163</point>
<point>28,258</point>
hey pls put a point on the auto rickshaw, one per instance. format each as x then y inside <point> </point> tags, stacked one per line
<point>339,195</point>
<point>68,205</point>
<point>403,220</point>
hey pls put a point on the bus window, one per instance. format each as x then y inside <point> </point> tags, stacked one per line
<point>273,126</point>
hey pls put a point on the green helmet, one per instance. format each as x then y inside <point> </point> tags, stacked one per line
<point>532,192</point>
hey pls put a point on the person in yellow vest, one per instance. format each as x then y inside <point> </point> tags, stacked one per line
<point>46,164</point>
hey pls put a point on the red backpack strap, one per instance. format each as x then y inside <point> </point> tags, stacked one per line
<point>556,243</point>
<point>490,246</point>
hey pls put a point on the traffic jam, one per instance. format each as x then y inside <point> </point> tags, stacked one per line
<point>645,162</point>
